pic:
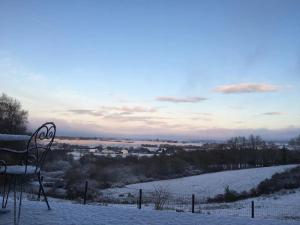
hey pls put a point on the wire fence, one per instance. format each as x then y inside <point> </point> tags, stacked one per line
<point>162,199</point>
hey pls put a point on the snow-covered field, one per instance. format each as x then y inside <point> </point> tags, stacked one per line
<point>282,208</point>
<point>66,213</point>
<point>125,143</point>
<point>12,137</point>
<point>282,205</point>
<point>207,185</point>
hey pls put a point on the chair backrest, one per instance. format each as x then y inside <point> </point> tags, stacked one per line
<point>40,144</point>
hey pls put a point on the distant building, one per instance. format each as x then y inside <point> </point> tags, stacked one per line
<point>124,152</point>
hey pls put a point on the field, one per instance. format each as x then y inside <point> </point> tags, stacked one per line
<point>207,185</point>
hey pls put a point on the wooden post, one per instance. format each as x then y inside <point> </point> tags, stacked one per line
<point>140,199</point>
<point>85,191</point>
<point>40,189</point>
<point>252,209</point>
<point>193,203</point>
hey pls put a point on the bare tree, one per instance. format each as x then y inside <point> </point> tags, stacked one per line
<point>13,119</point>
<point>237,143</point>
<point>295,142</point>
<point>160,196</point>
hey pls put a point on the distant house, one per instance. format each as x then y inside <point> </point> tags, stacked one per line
<point>124,152</point>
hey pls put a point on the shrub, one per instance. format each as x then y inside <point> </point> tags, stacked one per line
<point>230,195</point>
<point>160,196</point>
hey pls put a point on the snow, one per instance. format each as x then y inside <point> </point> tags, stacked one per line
<point>207,185</point>
<point>125,143</point>
<point>282,208</point>
<point>12,137</point>
<point>21,169</point>
<point>281,205</point>
<point>67,213</point>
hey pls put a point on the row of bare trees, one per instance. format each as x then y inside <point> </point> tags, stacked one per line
<point>295,143</point>
<point>252,142</point>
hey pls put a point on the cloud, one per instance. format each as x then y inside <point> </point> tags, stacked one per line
<point>273,113</point>
<point>246,88</point>
<point>204,119</point>
<point>239,122</point>
<point>86,112</point>
<point>203,114</point>
<point>126,109</point>
<point>129,109</point>
<point>267,134</point>
<point>109,110</point>
<point>158,128</point>
<point>68,128</point>
<point>194,99</point>
<point>140,119</point>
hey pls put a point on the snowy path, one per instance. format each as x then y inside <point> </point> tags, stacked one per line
<point>65,213</point>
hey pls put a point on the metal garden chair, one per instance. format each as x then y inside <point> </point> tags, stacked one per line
<point>32,160</point>
<point>3,170</point>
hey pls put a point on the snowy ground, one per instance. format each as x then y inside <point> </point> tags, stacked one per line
<point>282,205</point>
<point>12,137</point>
<point>66,213</point>
<point>277,209</point>
<point>207,185</point>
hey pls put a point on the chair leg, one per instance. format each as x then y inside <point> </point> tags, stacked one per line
<point>7,182</point>
<point>4,190</point>
<point>15,200</point>
<point>40,188</point>
<point>17,210</point>
<point>43,191</point>
<point>20,203</point>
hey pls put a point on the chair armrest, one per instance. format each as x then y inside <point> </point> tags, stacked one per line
<point>8,150</point>
<point>23,157</point>
<point>3,164</point>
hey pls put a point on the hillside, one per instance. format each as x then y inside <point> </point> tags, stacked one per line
<point>208,185</point>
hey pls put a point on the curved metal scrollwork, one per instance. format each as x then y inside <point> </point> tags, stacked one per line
<point>3,166</point>
<point>41,141</point>
<point>44,134</point>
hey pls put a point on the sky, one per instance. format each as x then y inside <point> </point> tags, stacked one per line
<point>137,68</point>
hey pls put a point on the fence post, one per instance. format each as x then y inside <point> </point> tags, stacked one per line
<point>85,192</point>
<point>140,199</point>
<point>252,209</point>
<point>193,203</point>
<point>40,189</point>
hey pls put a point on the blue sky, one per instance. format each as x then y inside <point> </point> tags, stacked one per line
<point>204,69</point>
